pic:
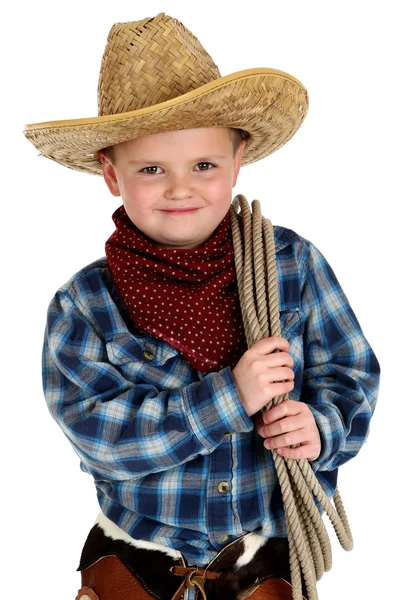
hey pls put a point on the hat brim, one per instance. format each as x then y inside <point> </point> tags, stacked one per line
<point>269,104</point>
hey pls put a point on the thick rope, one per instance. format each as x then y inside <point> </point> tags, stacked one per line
<point>309,546</point>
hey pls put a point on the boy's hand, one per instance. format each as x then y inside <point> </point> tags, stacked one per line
<point>290,423</point>
<point>261,373</point>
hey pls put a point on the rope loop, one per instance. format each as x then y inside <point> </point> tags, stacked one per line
<point>309,546</point>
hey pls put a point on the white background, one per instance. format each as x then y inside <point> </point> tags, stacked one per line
<point>335,183</point>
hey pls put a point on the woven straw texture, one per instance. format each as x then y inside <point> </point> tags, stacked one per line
<point>156,76</point>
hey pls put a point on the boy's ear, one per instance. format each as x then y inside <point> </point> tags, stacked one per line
<point>109,175</point>
<point>238,161</point>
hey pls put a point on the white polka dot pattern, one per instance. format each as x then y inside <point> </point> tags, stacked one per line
<point>187,297</point>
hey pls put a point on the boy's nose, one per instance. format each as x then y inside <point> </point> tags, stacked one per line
<point>179,187</point>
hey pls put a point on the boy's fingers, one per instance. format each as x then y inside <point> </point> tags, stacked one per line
<point>285,408</point>
<point>306,451</point>
<point>287,439</point>
<point>280,426</point>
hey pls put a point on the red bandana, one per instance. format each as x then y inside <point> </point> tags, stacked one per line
<point>187,297</point>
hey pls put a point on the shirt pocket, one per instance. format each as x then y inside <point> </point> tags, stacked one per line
<point>124,348</point>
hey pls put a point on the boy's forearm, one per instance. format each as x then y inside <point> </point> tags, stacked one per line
<point>341,371</point>
<point>121,430</point>
<point>343,421</point>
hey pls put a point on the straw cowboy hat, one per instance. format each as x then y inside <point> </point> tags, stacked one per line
<point>156,76</point>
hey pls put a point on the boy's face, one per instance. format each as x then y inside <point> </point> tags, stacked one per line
<point>188,168</point>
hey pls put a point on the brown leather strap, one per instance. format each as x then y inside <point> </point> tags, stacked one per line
<point>194,577</point>
<point>199,571</point>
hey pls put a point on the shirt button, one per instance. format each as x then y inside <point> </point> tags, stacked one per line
<point>225,538</point>
<point>148,355</point>
<point>223,487</point>
<point>228,434</point>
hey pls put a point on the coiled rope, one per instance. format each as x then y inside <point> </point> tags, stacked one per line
<point>309,545</point>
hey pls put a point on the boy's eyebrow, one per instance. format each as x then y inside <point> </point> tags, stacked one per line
<point>156,162</point>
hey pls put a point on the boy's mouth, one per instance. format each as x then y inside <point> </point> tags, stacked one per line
<point>180,210</point>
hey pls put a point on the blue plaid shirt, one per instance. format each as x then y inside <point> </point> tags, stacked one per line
<point>174,456</point>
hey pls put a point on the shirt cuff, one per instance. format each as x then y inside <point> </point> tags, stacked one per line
<point>214,408</point>
<point>331,430</point>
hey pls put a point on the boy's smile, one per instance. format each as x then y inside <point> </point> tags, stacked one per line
<point>176,186</point>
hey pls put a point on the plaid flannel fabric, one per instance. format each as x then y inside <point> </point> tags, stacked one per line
<point>174,456</point>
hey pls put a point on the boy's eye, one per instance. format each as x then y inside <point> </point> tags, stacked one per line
<point>205,163</point>
<point>153,170</point>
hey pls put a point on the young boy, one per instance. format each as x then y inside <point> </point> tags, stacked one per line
<point>145,362</point>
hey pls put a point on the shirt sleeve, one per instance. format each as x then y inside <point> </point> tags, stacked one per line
<point>341,372</point>
<point>121,429</point>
